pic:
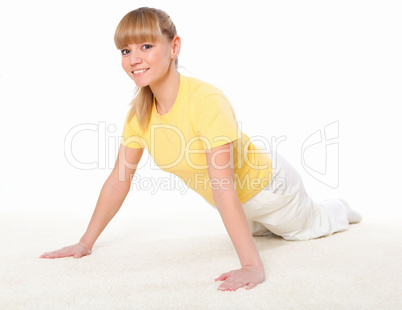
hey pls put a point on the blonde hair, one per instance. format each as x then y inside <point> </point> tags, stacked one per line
<point>142,25</point>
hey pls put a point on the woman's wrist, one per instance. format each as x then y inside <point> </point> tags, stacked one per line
<point>257,265</point>
<point>85,243</point>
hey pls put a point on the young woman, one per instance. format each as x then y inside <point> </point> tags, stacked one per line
<point>190,129</point>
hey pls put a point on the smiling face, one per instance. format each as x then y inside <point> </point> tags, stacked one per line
<point>148,62</point>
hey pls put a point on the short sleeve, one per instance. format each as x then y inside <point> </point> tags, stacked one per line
<point>215,121</point>
<point>130,137</point>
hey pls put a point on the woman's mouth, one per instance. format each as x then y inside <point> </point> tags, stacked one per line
<point>139,72</point>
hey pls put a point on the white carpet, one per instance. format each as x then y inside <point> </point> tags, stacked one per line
<point>144,260</point>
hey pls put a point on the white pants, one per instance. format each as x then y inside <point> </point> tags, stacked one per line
<point>284,208</point>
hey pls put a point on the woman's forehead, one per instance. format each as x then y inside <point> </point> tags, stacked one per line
<point>138,37</point>
<point>148,39</point>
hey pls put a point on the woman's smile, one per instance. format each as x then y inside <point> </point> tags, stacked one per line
<point>139,72</point>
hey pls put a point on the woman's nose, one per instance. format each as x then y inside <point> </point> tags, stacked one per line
<point>135,58</point>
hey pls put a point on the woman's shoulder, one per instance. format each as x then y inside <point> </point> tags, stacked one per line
<point>199,89</point>
<point>203,97</point>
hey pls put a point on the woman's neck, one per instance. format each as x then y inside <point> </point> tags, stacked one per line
<point>166,91</point>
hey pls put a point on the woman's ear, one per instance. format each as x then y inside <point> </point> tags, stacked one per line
<point>176,47</point>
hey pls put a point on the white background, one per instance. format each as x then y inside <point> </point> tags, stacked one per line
<point>289,68</point>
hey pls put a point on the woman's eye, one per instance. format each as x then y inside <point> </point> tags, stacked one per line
<point>146,46</point>
<point>125,52</point>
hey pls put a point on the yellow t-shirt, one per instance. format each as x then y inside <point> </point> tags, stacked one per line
<point>201,118</point>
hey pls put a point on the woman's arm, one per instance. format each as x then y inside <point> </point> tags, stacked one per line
<point>221,174</point>
<point>111,197</point>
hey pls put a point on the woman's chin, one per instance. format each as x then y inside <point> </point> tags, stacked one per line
<point>139,84</point>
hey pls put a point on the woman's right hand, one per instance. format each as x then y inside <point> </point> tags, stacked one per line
<point>77,251</point>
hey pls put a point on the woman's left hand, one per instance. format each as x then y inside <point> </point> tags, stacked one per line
<point>246,276</point>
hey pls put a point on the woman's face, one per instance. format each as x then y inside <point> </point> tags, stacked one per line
<point>146,63</point>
